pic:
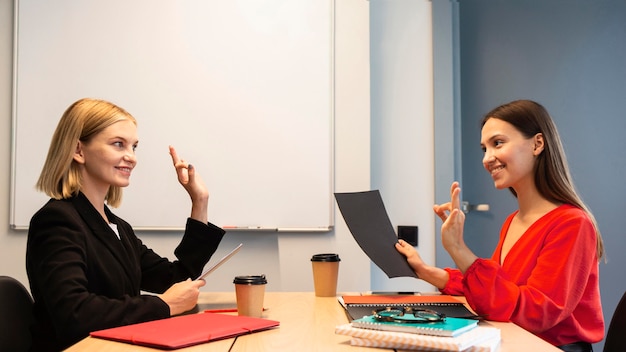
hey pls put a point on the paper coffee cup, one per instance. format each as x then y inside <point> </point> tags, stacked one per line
<point>250,291</point>
<point>325,273</point>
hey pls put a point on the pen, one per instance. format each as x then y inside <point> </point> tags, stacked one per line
<point>224,310</point>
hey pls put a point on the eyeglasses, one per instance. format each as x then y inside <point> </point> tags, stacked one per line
<point>408,315</point>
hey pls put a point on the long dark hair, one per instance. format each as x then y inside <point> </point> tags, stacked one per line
<point>552,176</point>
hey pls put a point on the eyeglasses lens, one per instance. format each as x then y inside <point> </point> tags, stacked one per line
<point>408,315</point>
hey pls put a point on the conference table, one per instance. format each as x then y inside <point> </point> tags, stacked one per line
<point>307,323</point>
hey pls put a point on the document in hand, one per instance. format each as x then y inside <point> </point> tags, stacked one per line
<point>186,330</point>
<point>367,220</point>
<point>360,306</point>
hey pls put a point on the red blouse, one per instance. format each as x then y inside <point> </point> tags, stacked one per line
<point>548,283</point>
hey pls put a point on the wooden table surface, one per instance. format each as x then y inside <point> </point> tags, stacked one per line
<point>307,323</point>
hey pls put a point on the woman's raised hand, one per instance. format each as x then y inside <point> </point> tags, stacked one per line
<point>192,182</point>
<point>453,219</point>
<point>452,229</point>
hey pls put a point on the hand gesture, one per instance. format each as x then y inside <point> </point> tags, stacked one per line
<point>453,219</point>
<point>192,182</point>
<point>452,229</point>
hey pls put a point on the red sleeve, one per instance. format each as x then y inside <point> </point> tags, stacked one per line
<point>454,286</point>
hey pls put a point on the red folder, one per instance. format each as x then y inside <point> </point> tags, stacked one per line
<point>186,330</point>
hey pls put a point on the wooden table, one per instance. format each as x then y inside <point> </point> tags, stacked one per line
<point>307,323</point>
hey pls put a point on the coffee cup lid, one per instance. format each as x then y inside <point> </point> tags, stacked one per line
<point>325,257</point>
<point>250,280</point>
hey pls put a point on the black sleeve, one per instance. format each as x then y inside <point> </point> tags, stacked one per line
<point>199,243</point>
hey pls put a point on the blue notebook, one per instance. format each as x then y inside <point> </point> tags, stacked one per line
<point>450,327</point>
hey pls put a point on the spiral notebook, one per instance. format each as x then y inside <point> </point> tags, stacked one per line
<point>360,306</point>
<point>481,338</point>
<point>450,327</point>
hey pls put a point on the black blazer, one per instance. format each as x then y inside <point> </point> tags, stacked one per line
<point>83,278</point>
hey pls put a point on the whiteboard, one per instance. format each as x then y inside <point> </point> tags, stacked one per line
<point>243,89</point>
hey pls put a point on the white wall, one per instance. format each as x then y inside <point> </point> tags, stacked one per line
<point>402,123</point>
<point>284,258</point>
<point>401,163</point>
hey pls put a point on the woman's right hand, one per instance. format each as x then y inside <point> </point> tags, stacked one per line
<point>412,256</point>
<point>431,274</point>
<point>182,296</point>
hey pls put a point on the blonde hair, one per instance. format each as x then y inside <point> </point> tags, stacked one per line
<point>552,175</point>
<point>60,177</point>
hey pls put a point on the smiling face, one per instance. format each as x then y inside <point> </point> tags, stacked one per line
<point>108,158</point>
<point>509,156</point>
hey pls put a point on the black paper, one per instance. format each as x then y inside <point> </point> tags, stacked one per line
<point>367,220</point>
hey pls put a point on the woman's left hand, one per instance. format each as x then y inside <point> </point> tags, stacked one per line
<point>452,229</point>
<point>192,182</point>
<point>453,219</point>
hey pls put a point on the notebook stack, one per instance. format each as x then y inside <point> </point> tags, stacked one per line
<point>451,334</point>
<point>478,339</point>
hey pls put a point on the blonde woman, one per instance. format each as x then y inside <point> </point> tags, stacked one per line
<point>86,267</point>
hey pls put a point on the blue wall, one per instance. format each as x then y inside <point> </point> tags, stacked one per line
<point>570,55</point>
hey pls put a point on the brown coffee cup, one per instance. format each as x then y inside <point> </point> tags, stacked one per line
<point>250,292</point>
<point>325,273</point>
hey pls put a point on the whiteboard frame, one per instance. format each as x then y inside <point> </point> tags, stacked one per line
<point>331,212</point>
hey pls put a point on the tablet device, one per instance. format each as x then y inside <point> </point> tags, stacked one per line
<point>220,262</point>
